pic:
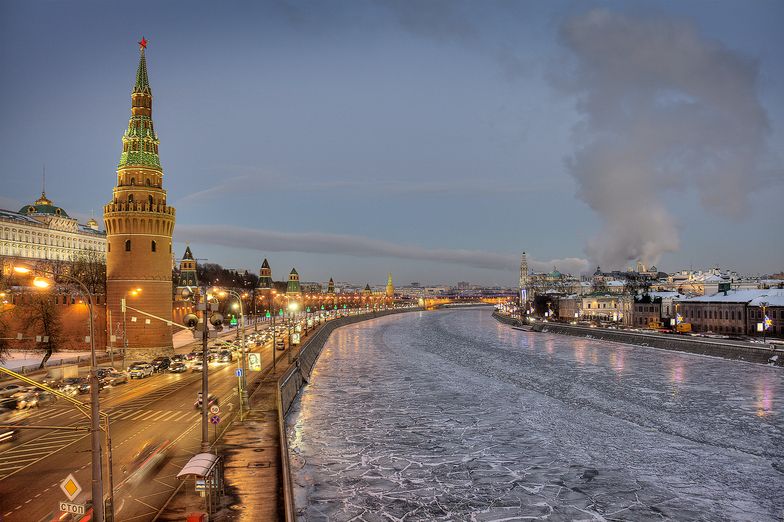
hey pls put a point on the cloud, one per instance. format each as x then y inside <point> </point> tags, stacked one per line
<point>663,109</point>
<point>357,246</point>
<point>239,185</point>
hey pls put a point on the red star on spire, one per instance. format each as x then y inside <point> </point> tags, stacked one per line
<point>143,44</point>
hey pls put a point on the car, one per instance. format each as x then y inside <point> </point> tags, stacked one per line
<point>192,355</point>
<point>10,389</point>
<point>180,357</point>
<point>177,367</point>
<point>149,458</point>
<point>114,377</point>
<point>280,344</point>
<point>225,356</point>
<point>7,404</point>
<point>197,366</point>
<point>160,364</point>
<point>25,399</point>
<point>213,399</point>
<point>140,370</point>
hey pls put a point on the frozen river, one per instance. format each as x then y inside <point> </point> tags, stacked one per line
<point>450,415</point>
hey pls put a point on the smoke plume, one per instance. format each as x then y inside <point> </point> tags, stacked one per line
<point>663,110</point>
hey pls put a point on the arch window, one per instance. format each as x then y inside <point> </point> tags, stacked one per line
<point>149,198</point>
<point>127,245</point>
<point>130,199</point>
<point>133,181</point>
<point>154,246</point>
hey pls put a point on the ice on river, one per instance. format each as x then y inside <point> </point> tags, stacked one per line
<point>450,415</point>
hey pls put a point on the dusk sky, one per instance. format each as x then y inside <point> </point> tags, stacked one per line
<point>436,140</point>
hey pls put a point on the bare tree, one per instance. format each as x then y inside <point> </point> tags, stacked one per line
<point>90,268</point>
<point>43,317</point>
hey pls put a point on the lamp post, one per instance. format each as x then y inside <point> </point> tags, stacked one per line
<point>764,306</point>
<point>134,292</point>
<point>292,307</point>
<point>242,383</point>
<point>95,412</point>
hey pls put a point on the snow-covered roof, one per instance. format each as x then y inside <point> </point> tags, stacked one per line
<point>741,296</point>
<point>615,282</point>
<point>774,297</point>
<point>667,295</point>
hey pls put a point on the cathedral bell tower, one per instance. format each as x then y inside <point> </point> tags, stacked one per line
<point>139,227</point>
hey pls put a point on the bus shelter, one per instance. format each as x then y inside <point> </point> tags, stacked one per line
<point>206,470</point>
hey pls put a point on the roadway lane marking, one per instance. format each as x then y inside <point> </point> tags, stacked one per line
<point>160,415</point>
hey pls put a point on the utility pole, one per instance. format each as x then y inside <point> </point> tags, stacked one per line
<point>203,305</point>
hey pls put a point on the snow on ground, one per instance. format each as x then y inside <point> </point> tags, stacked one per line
<point>19,358</point>
<point>452,416</point>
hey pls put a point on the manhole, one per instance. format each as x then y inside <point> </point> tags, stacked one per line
<point>259,464</point>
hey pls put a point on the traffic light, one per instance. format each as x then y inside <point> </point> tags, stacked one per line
<point>190,320</point>
<point>216,320</point>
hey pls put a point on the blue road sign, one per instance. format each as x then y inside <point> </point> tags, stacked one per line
<point>215,419</point>
<point>238,372</point>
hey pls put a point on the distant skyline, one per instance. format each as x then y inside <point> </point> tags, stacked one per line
<point>435,140</point>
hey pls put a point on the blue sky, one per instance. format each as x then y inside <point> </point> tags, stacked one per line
<point>436,140</point>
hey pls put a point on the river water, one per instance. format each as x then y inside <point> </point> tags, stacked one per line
<point>451,415</point>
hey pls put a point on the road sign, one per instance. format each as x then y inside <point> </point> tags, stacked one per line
<point>254,362</point>
<point>215,419</point>
<point>215,409</point>
<point>68,507</point>
<point>70,487</point>
<point>238,372</point>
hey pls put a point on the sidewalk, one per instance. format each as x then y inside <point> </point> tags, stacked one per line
<point>251,452</point>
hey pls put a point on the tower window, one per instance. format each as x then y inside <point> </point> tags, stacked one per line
<point>149,199</point>
<point>130,198</point>
<point>133,181</point>
<point>147,182</point>
<point>127,245</point>
<point>153,246</point>
<point>108,247</point>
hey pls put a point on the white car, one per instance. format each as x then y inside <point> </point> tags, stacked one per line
<point>140,370</point>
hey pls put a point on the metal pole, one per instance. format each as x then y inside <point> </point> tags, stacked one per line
<point>111,344</point>
<point>125,339</point>
<point>205,428</point>
<point>111,474</point>
<point>274,343</point>
<point>95,414</point>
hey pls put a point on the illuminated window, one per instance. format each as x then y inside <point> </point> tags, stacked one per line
<point>127,245</point>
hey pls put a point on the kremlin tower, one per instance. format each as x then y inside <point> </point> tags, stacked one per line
<point>139,227</point>
<point>390,290</point>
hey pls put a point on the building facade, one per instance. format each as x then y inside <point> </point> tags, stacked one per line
<point>139,226</point>
<point>736,312</point>
<point>43,231</point>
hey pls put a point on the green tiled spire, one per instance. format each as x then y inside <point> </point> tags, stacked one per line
<point>142,82</point>
<point>140,143</point>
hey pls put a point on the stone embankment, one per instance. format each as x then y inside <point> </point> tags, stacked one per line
<point>699,345</point>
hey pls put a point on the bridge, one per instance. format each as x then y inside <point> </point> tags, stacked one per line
<point>432,303</point>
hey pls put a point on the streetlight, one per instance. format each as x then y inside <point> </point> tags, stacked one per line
<point>764,306</point>
<point>95,412</point>
<point>134,293</point>
<point>293,306</point>
<point>242,382</point>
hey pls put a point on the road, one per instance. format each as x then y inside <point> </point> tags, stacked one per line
<point>154,410</point>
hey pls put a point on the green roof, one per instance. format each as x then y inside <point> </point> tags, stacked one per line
<point>142,81</point>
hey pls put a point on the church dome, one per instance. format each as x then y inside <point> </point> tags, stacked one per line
<point>43,205</point>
